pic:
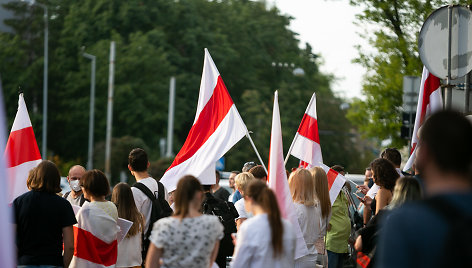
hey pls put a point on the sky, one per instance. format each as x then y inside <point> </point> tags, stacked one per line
<point>327,25</point>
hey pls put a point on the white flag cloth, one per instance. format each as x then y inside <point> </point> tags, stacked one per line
<point>278,180</point>
<point>306,143</point>
<point>22,152</point>
<point>429,101</point>
<point>217,127</point>
<point>7,252</point>
<point>335,182</point>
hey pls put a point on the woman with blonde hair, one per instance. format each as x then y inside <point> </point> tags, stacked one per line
<point>302,188</point>
<point>188,238</point>
<point>241,181</point>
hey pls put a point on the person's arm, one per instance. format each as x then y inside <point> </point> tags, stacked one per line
<point>239,222</point>
<point>214,253</point>
<point>367,210</point>
<point>153,256</point>
<point>382,198</point>
<point>358,244</point>
<point>68,237</point>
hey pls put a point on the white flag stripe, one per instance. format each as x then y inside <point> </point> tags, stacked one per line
<point>306,150</point>
<point>311,108</point>
<point>17,176</point>
<point>22,119</point>
<point>207,84</point>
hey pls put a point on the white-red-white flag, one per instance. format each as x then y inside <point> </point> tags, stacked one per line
<point>277,179</point>
<point>306,143</point>
<point>335,182</point>
<point>429,101</point>
<point>21,151</point>
<point>217,127</point>
<point>95,241</point>
<point>7,251</point>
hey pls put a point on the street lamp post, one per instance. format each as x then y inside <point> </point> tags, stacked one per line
<point>45,76</point>
<point>92,110</point>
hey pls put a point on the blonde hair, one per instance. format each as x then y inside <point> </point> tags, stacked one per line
<point>322,190</point>
<point>242,180</point>
<point>302,187</point>
<point>406,189</point>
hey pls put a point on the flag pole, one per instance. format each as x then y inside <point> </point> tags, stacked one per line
<point>294,138</point>
<point>255,150</point>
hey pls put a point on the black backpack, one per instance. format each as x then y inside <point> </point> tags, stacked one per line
<point>159,209</point>
<point>457,247</point>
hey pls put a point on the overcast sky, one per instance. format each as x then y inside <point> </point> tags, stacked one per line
<point>327,25</point>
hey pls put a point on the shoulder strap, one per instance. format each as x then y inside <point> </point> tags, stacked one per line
<point>145,190</point>
<point>82,199</point>
<point>160,190</point>
<point>66,195</point>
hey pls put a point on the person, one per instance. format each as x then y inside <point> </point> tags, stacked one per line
<point>394,156</point>
<point>368,180</point>
<point>145,191</point>
<point>259,173</point>
<point>424,234</point>
<point>75,195</point>
<point>385,175</point>
<point>248,165</point>
<point>218,191</point>
<point>265,240</point>
<point>322,194</point>
<point>339,228</point>
<point>96,238</point>
<point>129,249</point>
<point>226,213</point>
<point>43,220</point>
<point>188,238</point>
<point>242,180</point>
<point>307,207</point>
<point>232,185</point>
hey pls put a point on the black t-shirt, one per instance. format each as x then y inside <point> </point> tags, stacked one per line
<point>221,194</point>
<point>39,218</point>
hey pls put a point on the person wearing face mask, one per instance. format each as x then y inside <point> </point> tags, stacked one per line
<point>75,196</point>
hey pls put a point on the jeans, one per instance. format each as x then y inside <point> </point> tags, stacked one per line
<point>335,260</point>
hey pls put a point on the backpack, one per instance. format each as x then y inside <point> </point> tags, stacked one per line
<point>457,247</point>
<point>159,209</point>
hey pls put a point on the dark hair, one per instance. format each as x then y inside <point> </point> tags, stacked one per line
<point>206,187</point>
<point>248,165</point>
<point>122,196</point>
<point>217,175</point>
<point>187,187</point>
<point>338,168</point>
<point>258,172</point>
<point>393,155</point>
<point>448,138</point>
<point>44,178</point>
<point>95,183</point>
<point>385,174</point>
<point>138,160</point>
<point>264,197</point>
<point>368,169</point>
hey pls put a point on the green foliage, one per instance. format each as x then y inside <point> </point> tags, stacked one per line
<point>156,40</point>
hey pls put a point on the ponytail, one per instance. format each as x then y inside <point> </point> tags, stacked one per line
<point>264,197</point>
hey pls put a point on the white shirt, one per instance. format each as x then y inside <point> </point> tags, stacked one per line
<point>129,251</point>
<point>373,191</point>
<point>310,224</point>
<point>254,245</point>
<point>143,203</point>
<point>241,208</point>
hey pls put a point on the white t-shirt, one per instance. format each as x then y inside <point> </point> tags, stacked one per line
<point>254,245</point>
<point>129,251</point>
<point>187,243</point>
<point>243,213</point>
<point>143,203</point>
<point>310,224</point>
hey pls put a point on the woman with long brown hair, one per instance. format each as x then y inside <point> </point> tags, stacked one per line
<point>302,188</point>
<point>265,240</point>
<point>188,238</point>
<point>129,249</point>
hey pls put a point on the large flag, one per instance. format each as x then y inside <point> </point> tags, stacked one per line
<point>335,182</point>
<point>95,240</point>
<point>217,127</point>
<point>429,101</point>
<point>306,143</point>
<point>278,179</point>
<point>22,152</point>
<point>7,252</point>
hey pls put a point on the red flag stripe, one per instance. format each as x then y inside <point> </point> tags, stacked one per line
<point>22,147</point>
<point>431,84</point>
<point>208,121</point>
<point>309,128</point>
<point>331,177</point>
<point>90,248</point>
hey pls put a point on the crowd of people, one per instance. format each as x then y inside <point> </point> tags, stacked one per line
<point>420,219</point>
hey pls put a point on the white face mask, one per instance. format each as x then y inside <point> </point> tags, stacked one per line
<point>74,184</point>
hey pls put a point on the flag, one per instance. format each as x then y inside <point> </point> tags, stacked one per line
<point>217,127</point>
<point>7,252</point>
<point>95,241</point>
<point>306,143</point>
<point>335,182</point>
<point>22,151</point>
<point>278,180</point>
<point>429,101</point>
